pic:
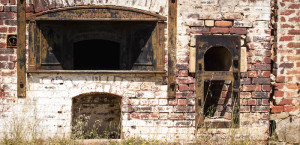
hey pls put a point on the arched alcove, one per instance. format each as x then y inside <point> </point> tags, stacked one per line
<point>96,115</point>
<point>217,58</point>
<point>96,54</point>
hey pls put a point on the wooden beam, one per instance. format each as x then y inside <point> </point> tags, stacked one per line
<point>172,33</point>
<point>97,13</point>
<point>161,48</point>
<point>21,50</point>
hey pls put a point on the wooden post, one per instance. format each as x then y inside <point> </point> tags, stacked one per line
<point>21,49</point>
<point>172,33</point>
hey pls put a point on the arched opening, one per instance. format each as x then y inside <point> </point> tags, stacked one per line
<point>217,59</point>
<point>96,54</point>
<point>96,116</point>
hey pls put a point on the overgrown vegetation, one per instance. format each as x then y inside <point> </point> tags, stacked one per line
<point>26,132</point>
<point>81,129</point>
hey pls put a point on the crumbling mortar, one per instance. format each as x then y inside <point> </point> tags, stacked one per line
<point>150,5</point>
<point>220,10</point>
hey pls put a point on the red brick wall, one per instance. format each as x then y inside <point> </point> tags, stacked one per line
<point>285,101</point>
<point>8,24</point>
<point>287,87</point>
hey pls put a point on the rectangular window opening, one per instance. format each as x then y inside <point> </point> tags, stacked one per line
<point>70,45</point>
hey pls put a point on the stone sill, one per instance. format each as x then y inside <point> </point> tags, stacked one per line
<point>216,120</point>
<point>99,72</point>
<point>218,123</point>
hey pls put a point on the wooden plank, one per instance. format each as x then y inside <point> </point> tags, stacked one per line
<point>99,71</point>
<point>103,13</point>
<point>21,50</point>
<point>160,64</point>
<point>199,85</point>
<point>37,41</point>
<point>155,45</point>
<point>172,32</point>
<point>158,46</point>
<point>32,54</point>
<point>98,19</point>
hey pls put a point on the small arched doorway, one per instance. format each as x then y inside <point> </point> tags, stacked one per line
<point>96,116</point>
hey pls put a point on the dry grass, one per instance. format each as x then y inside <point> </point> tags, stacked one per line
<point>19,134</point>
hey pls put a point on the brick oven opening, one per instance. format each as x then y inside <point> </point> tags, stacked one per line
<point>96,116</point>
<point>217,59</point>
<point>96,54</point>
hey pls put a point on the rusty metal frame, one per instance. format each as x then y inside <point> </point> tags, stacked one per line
<point>204,43</point>
<point>21,48</point>
<point>172,35</point>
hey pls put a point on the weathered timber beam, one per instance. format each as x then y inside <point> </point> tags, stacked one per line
<point>21,50</point>
<point>95,13</point>
<point>172,32</point>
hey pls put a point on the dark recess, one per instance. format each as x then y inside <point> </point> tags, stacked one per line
<point>217,59</point>
<point>96,55</point>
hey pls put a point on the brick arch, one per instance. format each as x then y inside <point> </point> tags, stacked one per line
<point>95,93</point>
<point>100,111</point>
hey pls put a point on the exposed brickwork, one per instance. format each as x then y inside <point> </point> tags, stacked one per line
<point>255,82</point>
<point>7,56</point>
<point>286,86</point>
<point>146,110</point>
<point>223,23</point>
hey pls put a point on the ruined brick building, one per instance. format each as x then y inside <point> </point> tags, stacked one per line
<point>165,69</point>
